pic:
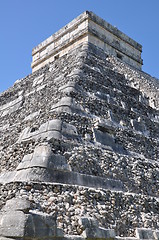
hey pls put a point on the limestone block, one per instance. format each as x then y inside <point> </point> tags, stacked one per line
<point>17,224</point>
<point>143,233</point>
<point>30,93</point>
<point>52,135</point>
<point>87,222</point>
<point>69,130</point>
<point>72,86</point>
<point>59,172</point>
<point>43,157</point>
<point>104,134</point>
<point>29,228</point>
<point>17,204</point>
<point>12,103</point>
<point>42,132</point>
<point>75,72</point>
<point>37,174</point>
<point>24,134</point>
<point>11,106</point>
<point>42,129</point>
<point>58,162</point>
<point>31,116</point>
<point>65,101</point>
<point>38,80</point>
<point>85,180</point>
<point>17,220</point>
<point>99,233</point>
<point>52,129</point>
<point>25,163</point>
<point>68,88</point>
<point>104,138</point>
<point>41,226</point>
<point>21,175</point>
<point>6,177</point>
<point>106,126</point>
<point>93,231</point>
<point>55,124</point>
<point>12,224</point>
<point>67,104</point>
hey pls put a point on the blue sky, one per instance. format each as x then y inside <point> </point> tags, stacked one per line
<point>26,23</point>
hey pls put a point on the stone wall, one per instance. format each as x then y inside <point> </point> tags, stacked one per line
<point>79,144</point>
<point>88,27</point>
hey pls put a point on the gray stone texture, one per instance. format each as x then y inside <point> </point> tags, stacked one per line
<point>18,221</point>
<point>92,230</point>
<point>87,28</point>
<point>79,147</point>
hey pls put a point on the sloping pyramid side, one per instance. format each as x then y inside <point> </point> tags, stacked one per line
<point>79,147</point>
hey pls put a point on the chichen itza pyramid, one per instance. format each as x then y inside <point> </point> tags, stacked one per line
<point>79,140</point>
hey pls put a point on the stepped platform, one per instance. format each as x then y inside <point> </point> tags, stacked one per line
<point>79,147</point>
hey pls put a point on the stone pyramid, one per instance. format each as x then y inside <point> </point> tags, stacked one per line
<point>79,140</point>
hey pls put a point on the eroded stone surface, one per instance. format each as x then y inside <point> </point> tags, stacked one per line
<point>87,28</point>
<point>12,106</point>
<point>92,230</point>
<point>17,220</point>
<point>84,144</point>
<point>51,129</point>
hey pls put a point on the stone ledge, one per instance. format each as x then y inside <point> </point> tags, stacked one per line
<point>64,177</point>
<point>55,128</point>
<point>86,28</point>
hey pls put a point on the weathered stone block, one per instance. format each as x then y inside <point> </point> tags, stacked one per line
<point>104,138</point>
<point>93,231</point>
<point>17,220</point>
<point>143,233</point>
<point>43,157</point>
<point>53,129</point>
<point>13,224</point>
<point>25,163</point>
<point>11,106</point>
<point>17,204</point>
<point>41,226</point>
<point>68,105</point>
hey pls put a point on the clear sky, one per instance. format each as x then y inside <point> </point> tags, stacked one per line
<point>26,23</point>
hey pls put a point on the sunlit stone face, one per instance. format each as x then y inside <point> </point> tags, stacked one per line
<point>87,28</point>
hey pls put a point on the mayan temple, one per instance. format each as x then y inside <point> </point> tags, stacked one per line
<point>79,140</point>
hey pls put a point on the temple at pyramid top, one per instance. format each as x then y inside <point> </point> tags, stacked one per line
<point>89,28</point>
